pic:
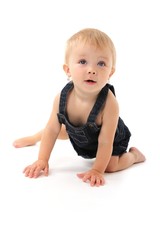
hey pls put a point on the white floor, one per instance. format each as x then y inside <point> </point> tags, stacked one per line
<point>61,205</point>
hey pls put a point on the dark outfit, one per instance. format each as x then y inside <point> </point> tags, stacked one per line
<point>85,138</point>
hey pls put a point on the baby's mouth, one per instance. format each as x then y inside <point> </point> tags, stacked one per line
<point>90,81</point>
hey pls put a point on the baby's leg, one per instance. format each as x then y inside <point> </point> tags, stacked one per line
<point>125,160</point>
<point>63,135</point>
<point>33,139</point>
<point>28,141</point>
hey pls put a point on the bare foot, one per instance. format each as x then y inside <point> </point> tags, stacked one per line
<point>24,142</point>
<point>28,141</point>
<point>139,156</point>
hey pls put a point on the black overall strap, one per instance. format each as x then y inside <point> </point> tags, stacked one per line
<point>100,102</point>
<point>97,106</point>
<point>63,97</point>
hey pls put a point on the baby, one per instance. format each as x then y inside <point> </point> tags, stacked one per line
<point>86,111</point>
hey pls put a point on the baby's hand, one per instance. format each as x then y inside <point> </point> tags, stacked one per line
<point>34,170</point>
<point>94,177</point>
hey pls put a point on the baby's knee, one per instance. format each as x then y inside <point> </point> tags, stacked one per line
<point>63,133</point>
<point>111,169</point>
<point>113,165</point>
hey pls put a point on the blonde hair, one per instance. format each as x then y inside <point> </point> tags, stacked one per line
<point>91,36</point>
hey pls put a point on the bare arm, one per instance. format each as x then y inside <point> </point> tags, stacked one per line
<point>49,138</point>
<point>110,117</point>
<point>106,137</point>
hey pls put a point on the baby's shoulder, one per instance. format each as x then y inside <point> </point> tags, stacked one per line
<point>57,96</point>
<point>111,96</point>
<point>111,104</point>
<point>56,100</point>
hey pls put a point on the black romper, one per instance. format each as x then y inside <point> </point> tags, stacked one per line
<point>85,138</point>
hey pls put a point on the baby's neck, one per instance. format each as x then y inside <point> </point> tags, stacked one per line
<point>83,96</point>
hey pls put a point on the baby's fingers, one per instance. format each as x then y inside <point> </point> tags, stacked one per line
<point>97,181</point>
<point>32,171</point>
<point>46,171</point>
<point>80,175</point>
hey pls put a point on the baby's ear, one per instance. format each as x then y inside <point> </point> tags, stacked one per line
<point>112,71</point>
<point>66,69</point>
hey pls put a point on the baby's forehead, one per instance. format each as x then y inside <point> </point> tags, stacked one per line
<point>88,48</point>
<point>90,43</point>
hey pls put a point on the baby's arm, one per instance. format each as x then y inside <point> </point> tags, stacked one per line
<point>110,117</point>
<point>48,140</point>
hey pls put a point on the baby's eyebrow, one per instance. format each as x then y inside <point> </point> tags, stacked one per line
<point>103,57</point>
<point>82,56</point>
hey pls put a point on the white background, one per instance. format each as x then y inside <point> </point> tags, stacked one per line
<point>32,38</point>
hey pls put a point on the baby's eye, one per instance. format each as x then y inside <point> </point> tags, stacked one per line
<point>101,63</point>
<point>83,61</point>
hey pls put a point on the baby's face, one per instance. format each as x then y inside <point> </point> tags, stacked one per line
<point>90,66</point>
